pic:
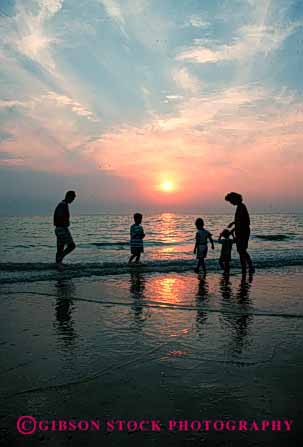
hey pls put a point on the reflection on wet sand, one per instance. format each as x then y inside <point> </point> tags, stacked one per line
<point>64,323</point>
<point>167,289</point>
<point>202,297</point>
<point>238,323</point>
<point>136,289</point>
<point>171,289</point>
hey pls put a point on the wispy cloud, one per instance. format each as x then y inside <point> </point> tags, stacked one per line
<point>251,39</point>
<point>203,111</point>
<point>185,80</point>
<point>28,31</point>
<point>115,12</point>
<point>63,100</point>
<point>197,22</point>
<point>113,9</point>
<point>11,103</point>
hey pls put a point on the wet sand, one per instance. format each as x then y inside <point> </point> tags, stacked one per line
<point>154,346</point>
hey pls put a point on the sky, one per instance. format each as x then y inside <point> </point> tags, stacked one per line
<point>151,104</point>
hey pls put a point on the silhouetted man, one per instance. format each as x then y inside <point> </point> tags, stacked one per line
<point>65,243</point>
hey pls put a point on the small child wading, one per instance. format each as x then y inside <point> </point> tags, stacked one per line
<point>136,239</point>
<point>226,248</point>
<point>201,248</point>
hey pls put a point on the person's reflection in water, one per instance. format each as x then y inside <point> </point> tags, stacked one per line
<point>63,313</point>
<point>201,300</point>
<point>137,286</point>
<point>225,287</point>
<point>243,321</point>
<point>242,303</point>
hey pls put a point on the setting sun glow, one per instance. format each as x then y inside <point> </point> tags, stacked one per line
<point>167,186</point>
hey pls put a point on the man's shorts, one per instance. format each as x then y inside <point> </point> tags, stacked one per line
<point>64,236</point>
<point>136,250</point>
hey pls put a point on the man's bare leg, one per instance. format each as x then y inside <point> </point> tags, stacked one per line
<point>137,261</point>
<point>68,249</point>
<point>132,257</point>
<point>59,254</point>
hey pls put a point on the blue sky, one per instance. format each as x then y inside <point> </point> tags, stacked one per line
<point>113,97</point>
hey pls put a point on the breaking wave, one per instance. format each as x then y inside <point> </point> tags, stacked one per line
<point>125,245</point>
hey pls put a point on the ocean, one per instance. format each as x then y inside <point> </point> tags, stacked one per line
<point>28,244</point>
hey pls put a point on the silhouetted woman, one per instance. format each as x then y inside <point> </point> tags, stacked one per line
<point>242,230</point>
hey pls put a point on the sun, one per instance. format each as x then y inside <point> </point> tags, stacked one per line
<point>167,186</point>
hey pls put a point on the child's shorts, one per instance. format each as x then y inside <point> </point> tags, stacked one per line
<point>202,251</point>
